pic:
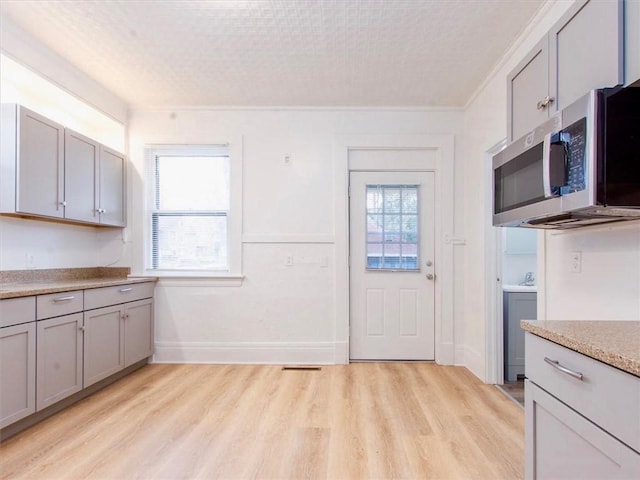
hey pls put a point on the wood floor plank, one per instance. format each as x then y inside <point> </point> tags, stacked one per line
<point>358,421</point>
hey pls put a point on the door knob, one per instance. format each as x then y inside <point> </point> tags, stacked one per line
<point>430,276</point>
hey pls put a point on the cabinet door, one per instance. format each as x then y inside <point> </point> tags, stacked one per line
<point>40,165</point>
<point>59,366</point>
<point>138,331</point>
<point>586,50</point>
<point>519,306</point>
<point>80,177</point>
<point>103,343</point>
<point>17,372</point>
<point>527,85</point>
<point>561,444</point>
<point>112,188</point>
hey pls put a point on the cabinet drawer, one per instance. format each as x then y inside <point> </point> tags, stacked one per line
<point>102,297</point>
<point>607,396</point>
<point>56,304</point>
<point>17,310</point>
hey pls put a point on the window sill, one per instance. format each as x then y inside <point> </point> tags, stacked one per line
<point>196,279</point>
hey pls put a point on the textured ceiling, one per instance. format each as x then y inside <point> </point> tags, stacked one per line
<point>280,52</point>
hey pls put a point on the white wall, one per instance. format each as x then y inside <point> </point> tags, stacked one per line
<point>279,314</point>
<point>608,288</point>
<point>608,285</point>
<point>49,87</point>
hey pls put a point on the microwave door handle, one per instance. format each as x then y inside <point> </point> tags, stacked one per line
<point>546,166</point>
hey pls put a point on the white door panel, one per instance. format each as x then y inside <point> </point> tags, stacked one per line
<point>392,254</point>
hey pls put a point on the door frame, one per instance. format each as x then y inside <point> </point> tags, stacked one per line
<point>442,164</point>
<point>494,358</point>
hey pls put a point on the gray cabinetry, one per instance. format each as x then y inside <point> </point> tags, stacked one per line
<point>584,50</point>
<point>59,346</point>
<point>103,340</point>
<point>32,163</point>
<point>517,306</point>
<point>94,181</point>
<point>49,171</point>
<point>17,359</point>
<point>568,446</point>
<point>581,416</point>
<point>138,331</point>
<point>111,192</point>
<point>118,328</point>
<point>528,83</point>
<point>59,365</point>
<point>81,174</point>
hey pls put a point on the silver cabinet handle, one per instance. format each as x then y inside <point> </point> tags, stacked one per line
<point>555,364</point>
<point>430,276</point>
<point>123,290</point>
<point>544,103</point>
<point>81,328</point>
<point>64,299</point>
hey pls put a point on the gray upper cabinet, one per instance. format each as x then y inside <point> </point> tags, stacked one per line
<point>111,192</point>
<point>81,170</point>
<point>527,85</point>
<point>32,163</point>
<point>584,50</point>
<point>49,171</point>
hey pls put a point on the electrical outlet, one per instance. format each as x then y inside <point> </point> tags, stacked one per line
<point>288,261</point>
<point>29,260</point>
<point>576,262</point>
<point>288,159</point>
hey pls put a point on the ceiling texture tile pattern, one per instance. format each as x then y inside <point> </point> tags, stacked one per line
<point>280,52</point>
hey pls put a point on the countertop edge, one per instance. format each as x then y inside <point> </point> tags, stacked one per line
<point>27,290</point>
<point>614,359</point>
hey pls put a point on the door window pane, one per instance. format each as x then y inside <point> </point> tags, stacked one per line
<point>392,227</point>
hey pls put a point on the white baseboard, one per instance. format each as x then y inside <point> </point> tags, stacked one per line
<point>279,353</point>
<point>471,359</point>
<point>445,353</point>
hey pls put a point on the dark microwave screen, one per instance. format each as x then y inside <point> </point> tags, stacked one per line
<point>575,135</point>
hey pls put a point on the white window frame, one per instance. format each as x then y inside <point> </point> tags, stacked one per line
<point>234,218</point>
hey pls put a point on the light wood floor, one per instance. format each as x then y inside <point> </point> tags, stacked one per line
<point>364,420</point>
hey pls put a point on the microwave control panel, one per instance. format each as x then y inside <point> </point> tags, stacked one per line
<point>575,137</point>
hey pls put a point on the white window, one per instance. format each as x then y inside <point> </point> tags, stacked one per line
<point>190,211</point>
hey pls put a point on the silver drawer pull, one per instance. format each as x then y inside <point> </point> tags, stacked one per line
<point>64,299</point>
<point>123,290</point>
<point>555,364</point>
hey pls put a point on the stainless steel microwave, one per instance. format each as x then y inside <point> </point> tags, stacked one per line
<point>581,167</point>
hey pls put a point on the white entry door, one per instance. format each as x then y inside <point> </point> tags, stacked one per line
<point>392,266</point>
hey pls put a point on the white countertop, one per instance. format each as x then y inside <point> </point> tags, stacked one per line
<point>519,288</point>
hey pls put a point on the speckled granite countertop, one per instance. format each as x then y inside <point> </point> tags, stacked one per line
<point>23,283</point>
<point>616,343</point>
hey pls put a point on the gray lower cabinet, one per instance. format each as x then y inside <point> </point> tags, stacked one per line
<point>116,336</point>
<point>103,343</point>
<point>59,359</point>
<point>581,416</point>
<point>517,306</point>
<point>55,345</point>
<point>17,372</point>
<point>568,446</point>
<point>582,51</point>
<point>138,331</point>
